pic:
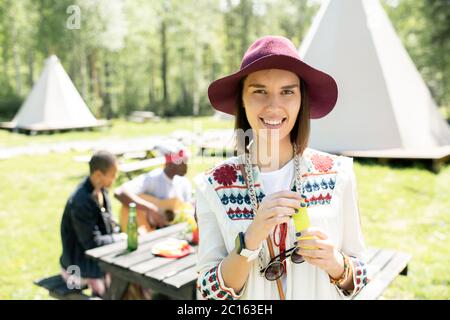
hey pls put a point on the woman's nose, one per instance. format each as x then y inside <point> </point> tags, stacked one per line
<point>273,101</point>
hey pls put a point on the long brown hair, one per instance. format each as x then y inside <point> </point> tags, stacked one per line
<point>299,133</point>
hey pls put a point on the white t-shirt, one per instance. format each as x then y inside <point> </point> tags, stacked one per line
<point>275,181</point>
<point>156,183</point>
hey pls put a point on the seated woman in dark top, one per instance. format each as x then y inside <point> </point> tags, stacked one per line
<point>87,223</point>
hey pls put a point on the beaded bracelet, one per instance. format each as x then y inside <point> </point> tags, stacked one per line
<point>345,275</point>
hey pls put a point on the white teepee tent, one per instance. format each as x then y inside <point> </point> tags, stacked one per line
<point>383,102</point>
<point>54,103</point>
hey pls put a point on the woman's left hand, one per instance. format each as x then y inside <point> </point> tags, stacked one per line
<point>324,255</point>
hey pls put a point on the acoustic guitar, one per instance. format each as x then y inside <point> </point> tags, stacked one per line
<point>168,206</point>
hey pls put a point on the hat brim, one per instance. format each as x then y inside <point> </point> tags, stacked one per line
<point>321,88</point>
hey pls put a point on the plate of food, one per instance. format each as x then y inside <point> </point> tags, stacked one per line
<point>172,248</point>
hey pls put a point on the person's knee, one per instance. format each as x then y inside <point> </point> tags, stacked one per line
<point>98,286</point>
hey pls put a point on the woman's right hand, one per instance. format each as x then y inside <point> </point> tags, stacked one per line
<point>275,209</point>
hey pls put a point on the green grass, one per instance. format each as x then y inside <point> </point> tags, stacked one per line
<point>409,209</point>
<point>32,198</point>
<point>402,208</point>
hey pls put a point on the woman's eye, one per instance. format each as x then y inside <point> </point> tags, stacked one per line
<point>260,91</point>
<point>288,92</point>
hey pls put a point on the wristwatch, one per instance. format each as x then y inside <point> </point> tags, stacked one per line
<point>241,250</point>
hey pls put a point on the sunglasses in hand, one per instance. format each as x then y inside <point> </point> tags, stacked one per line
<point>275,268</point>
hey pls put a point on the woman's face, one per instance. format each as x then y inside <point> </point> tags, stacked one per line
<point>272,100</point>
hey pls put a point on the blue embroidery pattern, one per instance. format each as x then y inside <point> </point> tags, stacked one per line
<point>319,189</point>
<point>229,184</point>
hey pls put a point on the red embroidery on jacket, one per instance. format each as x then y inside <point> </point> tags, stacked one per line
<point>322,163</point>
<point>239,213</point>
<point>225,175</point>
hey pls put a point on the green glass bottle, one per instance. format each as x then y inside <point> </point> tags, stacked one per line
<point>132,228</point>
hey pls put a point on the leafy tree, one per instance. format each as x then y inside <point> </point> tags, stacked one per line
<point>424,29</point>
<point>160,55</point>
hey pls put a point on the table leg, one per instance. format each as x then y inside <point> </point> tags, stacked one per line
<point>117,289</point>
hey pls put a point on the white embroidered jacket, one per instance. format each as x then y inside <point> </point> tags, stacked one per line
<point>223,210</point>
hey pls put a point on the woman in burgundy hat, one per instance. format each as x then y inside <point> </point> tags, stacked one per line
<point>280,220</point>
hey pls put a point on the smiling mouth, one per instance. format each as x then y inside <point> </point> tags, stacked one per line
<point>272,124</point>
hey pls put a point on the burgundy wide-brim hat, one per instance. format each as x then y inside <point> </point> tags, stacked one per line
<point>275,52</point>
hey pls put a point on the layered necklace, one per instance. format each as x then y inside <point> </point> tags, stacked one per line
<point>248,167</point>
<point>251,179</point>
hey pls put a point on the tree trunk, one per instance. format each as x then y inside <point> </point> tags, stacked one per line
<point>84,78</point>
<point>229,47</point>
<point>30,69</point>
<point>245,16</point>
<point>95,83</point>
<point>16,59</point>
<point>197,79</point>
<point>164,65</point>
<point>151,88</point>
<point>5,62</point>
<point>6,46</point>
<point>107,99</point>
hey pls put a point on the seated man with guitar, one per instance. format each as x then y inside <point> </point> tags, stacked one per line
<point>158,193</point>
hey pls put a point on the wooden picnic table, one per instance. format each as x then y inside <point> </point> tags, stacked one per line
<point>137,166</point>
<point>174,278</point>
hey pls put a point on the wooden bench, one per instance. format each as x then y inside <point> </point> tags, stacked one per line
<point>383,265</point>
<point>216,150</point>
<point>136,166</point>
<point>178,277</point>
<point>143,116</point>
<point>58,289</point>
<point>217,143</point>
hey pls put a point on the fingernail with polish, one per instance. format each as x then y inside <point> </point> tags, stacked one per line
<point>298,234</point>
<point>303,205</point>
<point>303,196</point>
